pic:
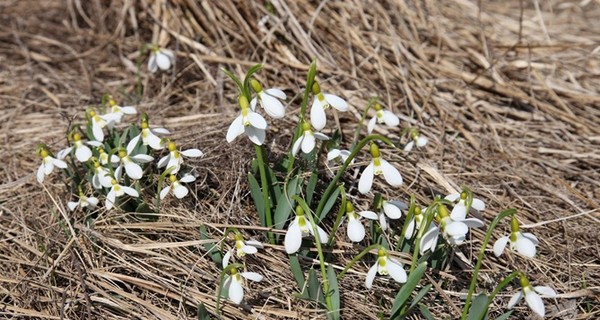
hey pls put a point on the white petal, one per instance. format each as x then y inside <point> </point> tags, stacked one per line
<point>40,173</point>
<point>473,223</point>
<point>257,136</point>
<point>525,247</point>
<point>187,178</point>
<point>422,141</point>
<point>236,292</point>
<point>152,67</point>
<point>110,199</point>
<point>168,53</point>
<point>297,145</point>
<point>254,243</point>
<point>392,211</point>
<point>128,110</point>
<point>382,222</point>
<point>429,239</point>
<point>142,158</point>
<point>72,205</point>
<point>272,106</point>
<point>252,276</point>
<point>257,121</point>
<point>332,154</point>
<point>163,61</point>
<point>133,143</point>
<point>514,299</point>
<point>277,93</point>
<point>308,143</point>
<point>161,130</point>
<point>180,191</point>
<point>391,174</point>
<point>459,212</point>
<point>118,172</point>
<point>369,215</point>
<point>323,236</point>
<point>355,230</point>
<point>371,276</point>
<point>97,132</point>
<point>545,291</point>
<point>531,237</point>
<point>535,303</point>
<point>153,141</point>
<point>163,161</point>
<point>321,136</point>
<point>226,258</point>
<point>235,129</point>
<point>193,153</point>
<point>408,147</point>
<point>164,192</point>
<point>318,118</point>
<point>390,119</point>
<point>499,246</point>
<point>478,205</point>
<point>130,191</point>
<point>49,166</point>
<point>456,228</point>
<point>249,249</point>
<point>253,104</point>
<point>410,229</point>
<point>83,153</point>
<point>366,179</point>
<point>293,238</point>
<point>134,171</point>
<point>396,271</point>
<point>336,102</point>
<point>371,124</point>
<point>64,152</point>
<point>93,201</point>
<point>452,197</point>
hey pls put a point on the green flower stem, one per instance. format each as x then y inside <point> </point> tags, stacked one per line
<point>338,219</point>
<point>333,183</point>
<point>503,284</point>
<point>409,216</point>
<point>265,191</point>
<point>220,288</point>
<point>358,257</point>
<point>488,235</point>
<point>361,123</point>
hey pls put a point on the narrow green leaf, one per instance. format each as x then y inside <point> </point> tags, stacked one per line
<point>505,316</point>
<point>419,296</point>
<point>425,312</point>
<point>255,68</point>
<point>330,203</point>
<point>310,188</point>
<point>214,253</point>
<point>405,292</point>
<point>297,271</point>
<point>235,79</point>
<point>256,194</point>
<point>273,185</point>
<point>334,292</point>
<point>285,203</point>
<point>479,307</point>
<point>202,313</point>
<point>314,287</point>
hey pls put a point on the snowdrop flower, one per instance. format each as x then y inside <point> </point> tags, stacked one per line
<point>387,209</point>
<point>101,177</point>
<point>453,230</point>
<point>385,265</point>
<point>269,99</point>
<point>337,153</point>
<point>299,228</point>
<point>382,116</point>
<point>147,135</point>
<point>249,122</point>
<point>83,202</point>
<point>116,191</point>
<point>48,163</point>
<point>245,247</point>
<point>133,170</point>
<point>82,152</point>
<point>104,158</point>
<point>460,209</point>
<point>178,189</point>
<point>321,102</point>
<point>417,140</point>
<point>532,296</point>
<point>116,112</point>
<point>307,141</point>
<point>523,243</point>
<point>376,167</point>
<point>356,230</point>
<point>174,159</point>
<point>234,284</point>
<point>416,223</point>
<point>98,123</point>
<point>160,58</point>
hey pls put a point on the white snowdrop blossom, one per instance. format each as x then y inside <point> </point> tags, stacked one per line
<point>269,99</point>
<point>416,223</point>
<point>101,177</point>
<point>387,209</point>
<point>417,140</point>
<point>133,170</point>
<point>307,141</point>
<point>160,58</point>
<point>84,202</point>
<point>523,243</point>
<point>382,116</point>
<point>339,153</point>
<point>116,191</point>
<point>377,167</point>
<point>48,163</point>
<point>148,136</point>
<point>460,209</point>
<point>299,228</point>
<point>532,296</point>
<point>385,265</point>
<point>321,102</point>
<point>82,152</point>
<point>234,284</point>
<point>104,158</point>
<point>355,229</point>
<point>454,231</point>
<point>178,189</point>
<point>174,159</point>
<point>246,247</point>
<point>116,112</point>
<point>249,122</point>
<point>98,123</point>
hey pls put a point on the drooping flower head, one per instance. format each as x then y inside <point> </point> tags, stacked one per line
<point>234,284</point>
<point>416,223</point>
<point>174,159</point>
<point>117,191</point>
<point>532,296</point>
<point>307,141</point>
<point>249,122</point>
<point>84,202</point>
<point>48,163</point>
<point>523,243</point>
<point>269,99</point>
<point>453,230</point>
<point>321,102</point>
<point>104,158</point>
<point>116,112</point>
<point>243,247</point>
<point>416,140</point>
<point>179,190</point>
<point>101,177</point>
<point>464,204</point>
<point>82,152</point>
<point>148,136</point>
<point>377,167</point>
<point>97,123</point>
<point>355,229</point>
<point>160,58</point>
<point>382,116</point>
<point>301,227</point>
<point>384,266</point>
<point>133,170</point>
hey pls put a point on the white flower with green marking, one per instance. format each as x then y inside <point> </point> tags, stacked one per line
<point>117,191</point>
<point>378,166</point>
<point>174,159</point>
<point>249,122</point>
<point>387,210</point>
<point>234,281</point>
<point>298,229</point>
<point>148,135</point>
<point>416,140</point>
<point>356,230</point>
<point>243,247</point>
<point>97,123</point>
<point>84,202</point>
<point>523,243</point>
<point>382,116</point>
<point>341,154</point>
<point>322,102</point>
<point>307,141</point>
<point>454,231</point>
<point>117,112</point>
<point>178,189</point>
<point>104,158</point>
<point>133,170</point>
<point>460,209</point>
<point>48,163</point>
<point>82,152</point>
<point>269,99</point>
<point>102,177</point>
<point>160,58</point>
<point>384,266</point>
<point>532,296</point>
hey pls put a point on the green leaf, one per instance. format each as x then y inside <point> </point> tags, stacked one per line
<point>215,255</point>
<point>297,271</point>
<point>314,287</point>
<point>273,185</point>
<point>405,292</point>
<point>202,313</point>
<point>418,297</point>
<point>505,316</point>
<point>247,90</point>
<point>329,204</point>
<point>310,188</point>
<point>425,312</point>
<point>479,307</point>
<point>256,194</point>
<point>334,291</point>
<point>235,79</point>
<point>285,203</point>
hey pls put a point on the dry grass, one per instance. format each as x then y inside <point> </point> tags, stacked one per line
<point>507,93</point>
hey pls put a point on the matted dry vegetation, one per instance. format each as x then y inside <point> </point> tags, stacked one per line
<point>507,92</point>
